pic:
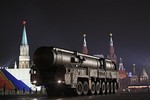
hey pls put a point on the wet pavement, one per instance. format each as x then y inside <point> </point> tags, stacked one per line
<point>123,96</point>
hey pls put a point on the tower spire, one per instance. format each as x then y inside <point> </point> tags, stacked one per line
<point>121,67</point>
<point>24,57</point>
<point>134,70</point>
<point>84,50</point>
<point>24,36</point>
<point>111,41</point>
<point>112,50</point>
<point>144,76</point>
<point>111,54</point>
<point>144,71</point>
<point>134,80</point>
<point>15,65</point>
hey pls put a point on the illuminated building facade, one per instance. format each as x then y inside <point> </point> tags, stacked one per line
<point>139,84</point>
<point>134,80</point>
<point>144,79</point>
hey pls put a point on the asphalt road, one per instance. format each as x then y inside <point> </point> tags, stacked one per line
<point>125,96</point>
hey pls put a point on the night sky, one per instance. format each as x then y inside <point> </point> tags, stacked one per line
<point>61,22</point>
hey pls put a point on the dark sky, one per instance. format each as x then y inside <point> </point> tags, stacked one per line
<point>61,22</point>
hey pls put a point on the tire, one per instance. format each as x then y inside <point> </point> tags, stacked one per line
<point>92,88</point>
<point>85,88</point>
<point>111,88</point>
<point>114,87</point>
<point>97,87</point>
<point>79,88</point>
<point>107,88</point>
<point>103,88</point>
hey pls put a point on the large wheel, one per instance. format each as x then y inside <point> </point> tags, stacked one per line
<point>79,88</point>
<point>114,87</point>
<point>85,88</point>
<point>92,88</point>
<point>97,87</point>
<point>107,88</point>
<point>103,88</point>
<point>111,88</point>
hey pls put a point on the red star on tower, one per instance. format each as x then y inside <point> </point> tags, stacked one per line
<point>24,22</point>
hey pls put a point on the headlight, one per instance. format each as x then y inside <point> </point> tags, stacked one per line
<point>59,81</point>
<point>34,82</point>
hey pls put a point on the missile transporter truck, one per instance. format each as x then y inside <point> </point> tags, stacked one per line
<point>63,71</point>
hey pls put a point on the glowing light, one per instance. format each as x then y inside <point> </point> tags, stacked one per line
<point>110,34</point>
<point>24,22</point>
<point>84,34</point>
<point>59,81</point>
<point>35,99</point>
<point>34,81</point>
<point>130,74</point>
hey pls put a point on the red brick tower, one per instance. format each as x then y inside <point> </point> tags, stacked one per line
<point>111,54</point>
<point>123,77</point>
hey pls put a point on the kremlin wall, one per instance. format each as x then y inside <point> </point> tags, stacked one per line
<point>18,78</point>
